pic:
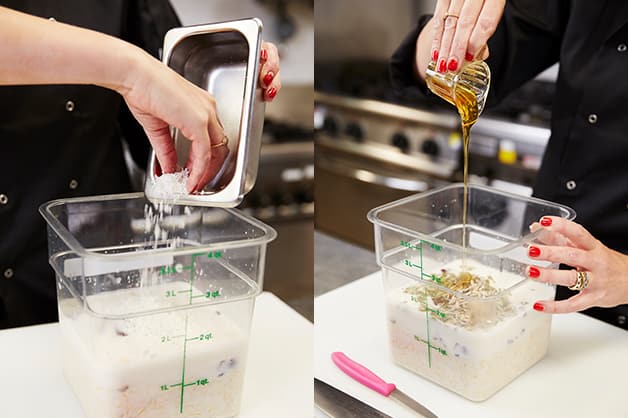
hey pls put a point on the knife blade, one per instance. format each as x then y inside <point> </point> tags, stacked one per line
<point>372,381</point>
<point>338,404</point>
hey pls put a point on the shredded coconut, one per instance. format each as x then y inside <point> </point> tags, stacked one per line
<point>167,186</point>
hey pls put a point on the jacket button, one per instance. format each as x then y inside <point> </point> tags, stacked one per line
<point>3,199</point>
<point>73,184</point>
<point>571,184</point>
<point>8,273</point>
<point>52,19</point>
<point>592,118</point>
<point>69,106</point>
<point>622,47</point>
<point>621,319</point>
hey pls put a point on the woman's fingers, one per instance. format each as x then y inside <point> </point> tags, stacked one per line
<point>269,78</point>
<point>575,257</point>
<point>466,22</point>
<point>461,30</point>
<point>206,152</point>
<point>273,88</point>
<point>553,276</point>
<point>572,231</point>
<point>158,133</point>
<point>604,271</point>
<point>550,237</point>
<point>450,23</point>
<point>198,163</point>
<point>438,24</point>
<point>576,303</point>
<point>485,26</point>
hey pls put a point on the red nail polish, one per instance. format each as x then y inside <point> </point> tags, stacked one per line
<point>272,92</point>
<point>264,55</point>
<point>453,64</point>
<point>268,78</point>
<point>468,56</point>
<point>534,272</point>
<point>534,251</point>
<point>538,307</point>
<point>435,55</point>
<point>545,221</point>
<point>441,66</point>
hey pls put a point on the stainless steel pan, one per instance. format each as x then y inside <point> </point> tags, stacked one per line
<point>222,58</point>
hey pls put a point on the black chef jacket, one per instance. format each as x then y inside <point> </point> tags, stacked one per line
<point>62,141</point>
<point>584,165</point>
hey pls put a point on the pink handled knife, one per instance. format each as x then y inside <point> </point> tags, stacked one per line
<point>374,382</point>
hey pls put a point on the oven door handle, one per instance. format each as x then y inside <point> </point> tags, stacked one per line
<point>371,177</point>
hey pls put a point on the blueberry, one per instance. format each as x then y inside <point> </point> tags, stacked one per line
<point>225,365</point>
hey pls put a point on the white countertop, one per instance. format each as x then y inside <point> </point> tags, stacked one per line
<point>584,375</point>
<point>278,380</point>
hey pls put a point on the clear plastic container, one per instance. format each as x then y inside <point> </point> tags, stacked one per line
<point>463,318</point>
<point>154,310</point>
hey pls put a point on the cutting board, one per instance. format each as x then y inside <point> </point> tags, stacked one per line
<point>584,375</point>
<point>278,380</point>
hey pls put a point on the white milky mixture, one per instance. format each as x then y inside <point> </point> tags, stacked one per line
<point>134,367</point>
<point>474,361</point>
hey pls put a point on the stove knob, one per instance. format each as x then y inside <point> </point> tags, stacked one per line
<point>430,147</point>
<point>330,126</point>
<point>304,196</point>
<point>283,198</point>
<point>355,131</point>
<point>400,141</point>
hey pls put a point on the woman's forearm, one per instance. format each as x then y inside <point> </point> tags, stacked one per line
<point>39,51</point>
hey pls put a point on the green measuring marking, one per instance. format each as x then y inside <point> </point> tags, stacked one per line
<point>208,336</point>
<point>424,275</point>
<point>430,346</point>
<point>435,311</point>
<point>178,268</point>
<point>168,338</point>
<point>419,247</point>
<point>415,247</point>
<point>185,350</point>
<point>209,294</point>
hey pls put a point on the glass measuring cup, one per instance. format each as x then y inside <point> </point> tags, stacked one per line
<point>466,89</point>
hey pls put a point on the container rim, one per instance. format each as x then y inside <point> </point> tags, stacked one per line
<point>374,217</point>
<point>73,244</point>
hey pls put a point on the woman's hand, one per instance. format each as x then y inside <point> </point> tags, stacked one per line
<point>37,51</point>
<point>459,30</point>
<point>159,97</point>
<point>269,78</point>
<point>569,243</point>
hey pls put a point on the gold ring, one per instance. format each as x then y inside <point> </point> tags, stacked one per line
<point>582,281</point>
<point>225,141</point>
<point>451,15</point>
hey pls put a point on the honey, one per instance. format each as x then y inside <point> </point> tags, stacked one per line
<point>467,91</point>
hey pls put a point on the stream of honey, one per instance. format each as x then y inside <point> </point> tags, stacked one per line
<point>465,100</point>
